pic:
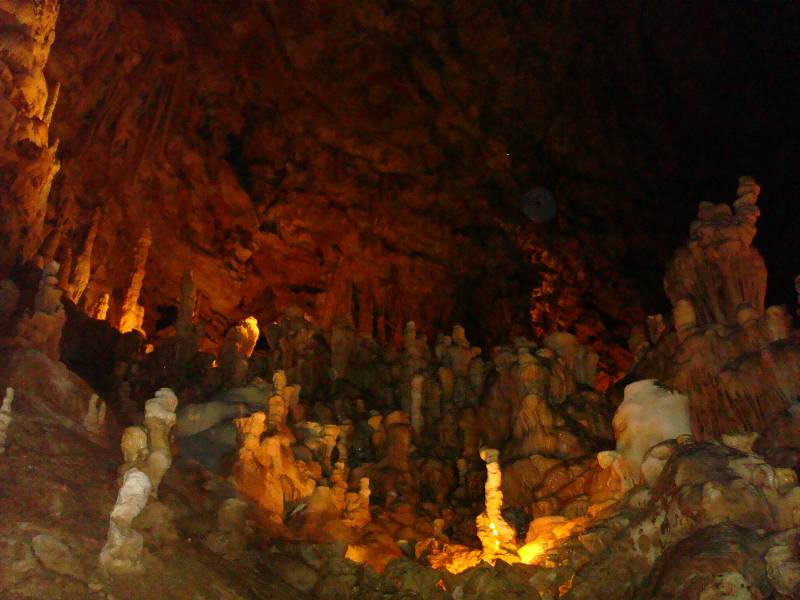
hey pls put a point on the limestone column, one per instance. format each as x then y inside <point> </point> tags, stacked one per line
<point>497,536</point>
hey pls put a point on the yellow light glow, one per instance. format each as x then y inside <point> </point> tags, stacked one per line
<point>531,551</point>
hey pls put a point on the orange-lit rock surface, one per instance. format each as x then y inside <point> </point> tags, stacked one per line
<point>351,461</point>
<point>288,166</point>
<point>28,160</point>
<point>280,316</point>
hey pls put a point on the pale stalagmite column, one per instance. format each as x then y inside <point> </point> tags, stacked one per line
<point>27,159</point>
<point>123,550</point>
<point>237,347</point>
<point>132,315</point>
<point>497,536</point>
<point>159,419</point>
<point>95,418</point>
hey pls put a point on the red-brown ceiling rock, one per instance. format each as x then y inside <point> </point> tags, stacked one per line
<point>342,157</point>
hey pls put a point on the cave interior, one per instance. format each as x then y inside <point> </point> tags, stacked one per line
<point>399,299</point>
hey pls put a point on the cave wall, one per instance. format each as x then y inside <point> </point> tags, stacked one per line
<point>368,158</point>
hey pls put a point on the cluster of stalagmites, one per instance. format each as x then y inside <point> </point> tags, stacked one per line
<point>39,326</point>
<point>421,451</point>
<point>384,449</point>
<point>731,356</point>
<point>147,452</point>
<point>439,454</point>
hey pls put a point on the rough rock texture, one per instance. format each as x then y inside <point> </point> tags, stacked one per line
<point>719,271</point>
<point>699,528</point>
<point>57,492</point>
<point>364,162</point>
<point>41,326</point>
<point>27,159</point>
<point>735,360</point>
<point>648,415</point>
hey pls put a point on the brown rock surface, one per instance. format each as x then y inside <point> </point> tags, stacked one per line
<point>290,165</point>
<point>28,160</point>
<point>735,359</point>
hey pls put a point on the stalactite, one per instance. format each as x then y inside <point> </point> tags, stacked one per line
<point>82,269</point>
<point>132,316</point>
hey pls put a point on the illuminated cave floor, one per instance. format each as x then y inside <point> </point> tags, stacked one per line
<point>58,488</point>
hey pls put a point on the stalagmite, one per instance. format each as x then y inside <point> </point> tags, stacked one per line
<point>5,417</point>
<point>357,513</point>
<point>159,419</point>
<point>648,415</point>
<point>330,437</point>
<point>497,536</point>
<point>95,418</point>
<point>123,549</point>
<point>99,309</point>
<point>277,404</point>
<point>685,319</point>
<point>28,161</point>
<point>417,421</point>
<point>237,347</point>
<point>42,329</point>
<point>135,449</point>
<point>266,471</point>
<point>132,314</point>
<point>343,441</point>
<point>719,270</point>
<point>727,353</point>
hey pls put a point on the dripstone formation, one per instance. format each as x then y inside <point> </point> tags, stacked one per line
<point>319,299</point>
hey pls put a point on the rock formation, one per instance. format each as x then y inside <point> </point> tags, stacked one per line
<point>99,309</point>
<point>122,553</point>
<point>82,269</point>
<point>95,418</point>
<point>132,313</point>
<point>5,417</point>
<point>497,536</point>
<point>135,449</point>
<point>28,160</point>
<point>649,415</point>
<point>159,419</point>
<point>266,471</point>
<point>346,181</point>
<point>230,538</point>
<point>42,328</point>
<point>238,346</point>
<point>719,271</point>
<point>706,496</point>
<point>723,350</point>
